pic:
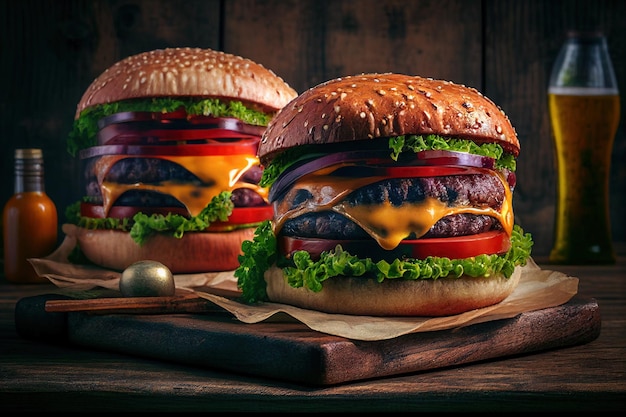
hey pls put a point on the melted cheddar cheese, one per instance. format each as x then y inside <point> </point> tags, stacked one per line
<point>385,223</point>
<point>217,172</point>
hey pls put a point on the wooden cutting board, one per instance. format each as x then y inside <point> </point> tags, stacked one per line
<point>291,351</point>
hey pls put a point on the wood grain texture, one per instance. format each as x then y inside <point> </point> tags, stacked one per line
<point>51,51</point>
<point>189,303</point>
<point>292,352</point>
<point>65,377</point>
<point>522,40</point>
<point>309,42</point>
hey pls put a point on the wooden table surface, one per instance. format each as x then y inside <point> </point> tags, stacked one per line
<point>59,377</point>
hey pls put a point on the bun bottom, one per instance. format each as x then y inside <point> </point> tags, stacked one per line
<point>193,253</point>
<point>367,297</point>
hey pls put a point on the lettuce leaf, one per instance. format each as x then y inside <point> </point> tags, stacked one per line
<point>85,128</point>
<point>397,145</point>
<point>142,226</point>
<point>260,253</point>
<point>418,143</point>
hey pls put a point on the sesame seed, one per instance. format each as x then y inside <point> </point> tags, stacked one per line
<point>362,115</point>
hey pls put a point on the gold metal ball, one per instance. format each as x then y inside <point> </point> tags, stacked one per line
<point>147,279</point>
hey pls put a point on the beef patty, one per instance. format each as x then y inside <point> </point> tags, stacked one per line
<point>477,190</point>
<point>155,171</point>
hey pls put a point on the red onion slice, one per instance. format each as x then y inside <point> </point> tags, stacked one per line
<point>137,127</point>
<point>379,163</point>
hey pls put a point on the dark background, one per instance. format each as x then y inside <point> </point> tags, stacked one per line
<point>51,51</point>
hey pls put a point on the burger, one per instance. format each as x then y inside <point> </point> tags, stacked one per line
<point>168,141</point>
<point>392,196</point>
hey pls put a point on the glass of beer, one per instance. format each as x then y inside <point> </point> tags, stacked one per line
<point>583,100</point>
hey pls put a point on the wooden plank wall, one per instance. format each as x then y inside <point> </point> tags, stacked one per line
<point>52,50</point>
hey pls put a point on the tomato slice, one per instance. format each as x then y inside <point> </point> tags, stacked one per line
<point>460,247</point>
<point>408,171</point>
<point>238,147</point>
<point>240,215</point>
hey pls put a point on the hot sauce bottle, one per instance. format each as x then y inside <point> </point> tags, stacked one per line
<point>29,219</point>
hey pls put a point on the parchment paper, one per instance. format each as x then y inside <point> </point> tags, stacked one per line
<point>537,289</point>
<point>58,270</point>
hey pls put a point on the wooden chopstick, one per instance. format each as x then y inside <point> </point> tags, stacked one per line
<point>190,303</point>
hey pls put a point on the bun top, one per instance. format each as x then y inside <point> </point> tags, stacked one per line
<point>188,72</point>
<point>371,106</point>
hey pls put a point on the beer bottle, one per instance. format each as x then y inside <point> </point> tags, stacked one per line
<point>29,219</point>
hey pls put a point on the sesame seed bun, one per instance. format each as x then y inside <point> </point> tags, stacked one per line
<point>371,106</point>
<point>188,72</point>
<point>350,221</point>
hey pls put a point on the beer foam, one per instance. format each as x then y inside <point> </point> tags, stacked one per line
<point>583,91</point>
